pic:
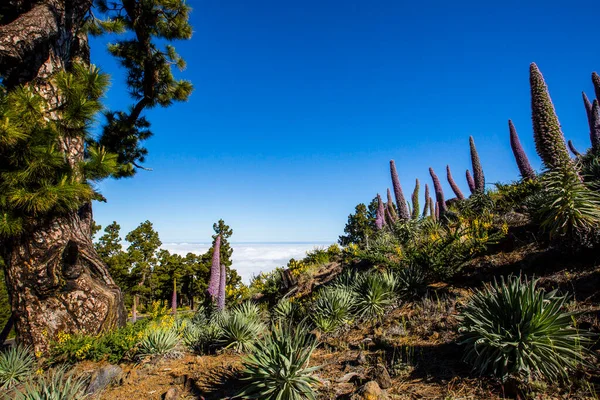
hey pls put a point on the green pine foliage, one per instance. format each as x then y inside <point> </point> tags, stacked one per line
<point>36,180</point>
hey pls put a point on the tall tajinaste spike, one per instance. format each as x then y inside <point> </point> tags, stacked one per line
<point>549,139</point>
<point>478,177</point>
<point>437,210</point>
<point>215,270</point>
<point>426,207</point>
<point>391,210</point>
<point>453,184</point>
<point>222,286</point>
<point>573,149</point>
<point>431,208</point>
<point>174,297</point>
<point>439,193</point>
<point>588,106</point>
<point>596,82</point>
<point>380,216</point>
<point>595,127</point>
<point>400,200</point>
<point>415,201</point>
<point>522,161</point>
<point>470,182</point>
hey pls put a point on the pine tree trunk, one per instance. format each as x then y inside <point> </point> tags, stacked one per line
<point>58,283</point>
<point>56,280</point>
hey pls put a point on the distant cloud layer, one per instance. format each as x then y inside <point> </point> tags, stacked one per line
<point>249,259</point>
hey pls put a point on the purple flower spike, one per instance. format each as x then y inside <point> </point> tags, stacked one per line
<point>573,149</point>
<point>215,270</point>
<point>437,210</point>
<point>453,184</point>
<point>380,216</point>
<point>415,201</point>
<point>549,139</point>
<point>595,126</point>
<point>222,285</point>
<point>439,193</point>
<point>426,208</point>
<point>478,177</point>
<point>431,208</point>
<point>390,209</point>
<point>400,200</point>
<point>520,156</point>
<point>588,106</point>
<point>470,182</point>
<point>596,82</point>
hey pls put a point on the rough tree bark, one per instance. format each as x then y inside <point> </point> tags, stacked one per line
<point>56,280</point>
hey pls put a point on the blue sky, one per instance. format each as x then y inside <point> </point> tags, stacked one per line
<point>299,106</point>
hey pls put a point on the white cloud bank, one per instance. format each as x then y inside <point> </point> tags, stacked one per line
<point>250,259</point>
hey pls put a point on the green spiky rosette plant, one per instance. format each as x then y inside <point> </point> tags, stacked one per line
<point>278,366</point>
<point>16,365</point>
<point>514,329</point>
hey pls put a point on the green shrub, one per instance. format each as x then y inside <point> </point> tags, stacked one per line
<point>332,308</point>
<point>159,341</point>
<point>278,366</point>
<point>16,365</point>
<point>241,327</point>
<point>568,209</point>
<point>514,196</point>
<point>514,329</point>
<point>373,295</point>
<point>285,310</point>
<point>202,338</point>
<point>410,282</point>
<point>318,256</point>
<point>54,385</point>
<point>112,346</point>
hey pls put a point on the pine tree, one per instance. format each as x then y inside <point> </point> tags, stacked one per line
<point>478,177</point>
<point>549,139</point>
<point>415,201</point>
<point>439,194</point>
<point>194,283</point>
<point>403,213</point>
<point>358,228</point>
<point>453,184</point>
<point>167,277</point>
<point>109,248</point>
<point>49,160</point>
<point>520,156</point>
<point>470,182</point>
<point>144,243</point>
